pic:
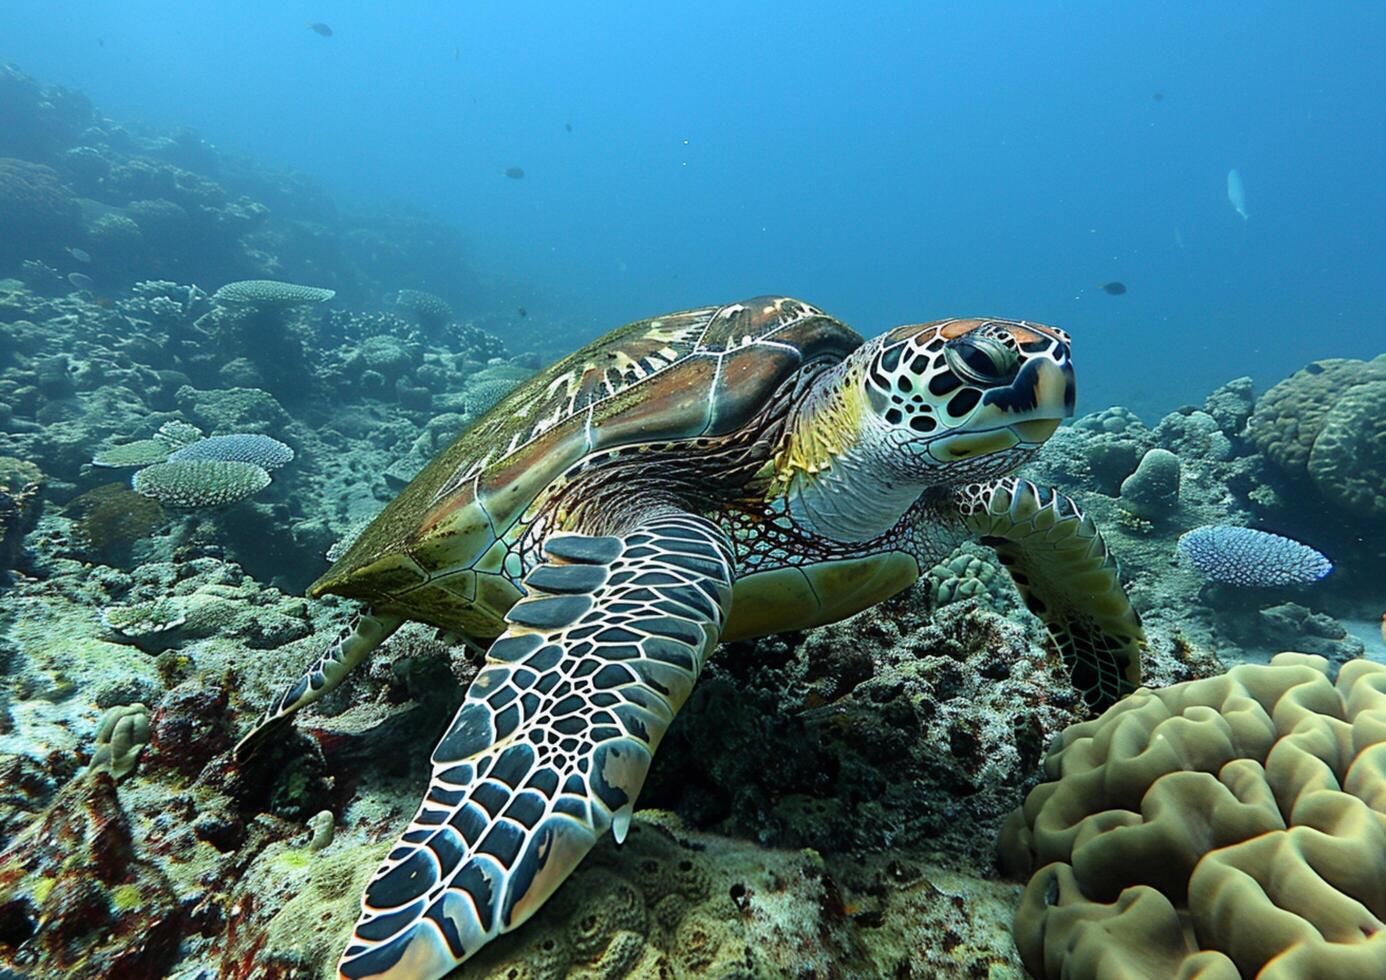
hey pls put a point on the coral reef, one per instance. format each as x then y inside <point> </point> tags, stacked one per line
<point>74,898</point>
<point>825,802</point>
<point>270,294</point>
<point>120,738</point>
<point>1348,461</point>
<point>1289,418</point>
<point>200,482</point>
<point>1247,557</point>
<point>1152,491</point>
<point>432,311</point>
<point>1223,827</point>
<point>264,452</point>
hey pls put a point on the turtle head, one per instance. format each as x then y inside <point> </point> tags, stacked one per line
<point>967,397</point>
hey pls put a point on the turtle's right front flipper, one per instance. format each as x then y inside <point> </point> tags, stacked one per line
<point>1067,577</point>
<point>353,645</point>
<point>552,743</point>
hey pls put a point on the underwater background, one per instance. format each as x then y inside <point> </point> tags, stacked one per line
<point>260,262</point>
<point>911,162</point>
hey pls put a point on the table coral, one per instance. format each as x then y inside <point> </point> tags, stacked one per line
<point>200,483</point>
<point>265,452</point>
<point>1233,826</point>
<point>270,293</point>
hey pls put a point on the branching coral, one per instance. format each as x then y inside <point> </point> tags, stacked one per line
<point>1219,828</point>
<point>1247,557</point>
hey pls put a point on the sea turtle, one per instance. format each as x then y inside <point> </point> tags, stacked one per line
<point>712,474</point>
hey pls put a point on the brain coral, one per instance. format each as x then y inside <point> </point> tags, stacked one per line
<point>1220,828</point>
<point>120,738</point>
<point>965,574</point>
<point>267,453</point>
<point>1289,417</point>
<point>1348,460</point>
<point>200,482</point>
<point>1247,557</point>
<point>269,292</point>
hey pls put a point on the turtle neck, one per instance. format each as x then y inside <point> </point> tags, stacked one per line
<point>839,480</point>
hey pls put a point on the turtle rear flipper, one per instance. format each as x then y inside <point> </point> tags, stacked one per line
<point>353,645</point>
<point>552,743</point>
<point>1066,576</point>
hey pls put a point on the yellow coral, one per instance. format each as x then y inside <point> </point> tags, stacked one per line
<point>1290,416</point>
<point>1234,826</point>
<point>1348,461</point>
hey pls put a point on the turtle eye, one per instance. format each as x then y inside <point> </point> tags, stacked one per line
<point>981,360</point>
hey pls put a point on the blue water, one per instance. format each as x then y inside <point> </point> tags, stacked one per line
<point>904,163</point>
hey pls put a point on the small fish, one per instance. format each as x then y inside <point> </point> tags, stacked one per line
<point>515,173</point>
<point>318,27</point>
<point>1383,627</point>
<point>1113,288</point>
<point>81,281</point>
<point>456,53</point>
<point>79,254</point>
<point>1159,96</point>
<point>101,41</point>
<point>522,311</point>
<point>1236,193</point>
<point>568,127</point>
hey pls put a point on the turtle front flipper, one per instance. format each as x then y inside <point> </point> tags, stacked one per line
<point>1066,576</point>
<point>353,645</point>
<point>552,743</point>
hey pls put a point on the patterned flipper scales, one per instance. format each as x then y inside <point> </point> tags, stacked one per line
<point>353,645</point>
<point>552,743</point>
<point>1066,576</point>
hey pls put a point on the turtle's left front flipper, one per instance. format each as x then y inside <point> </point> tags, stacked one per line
<point>551,744</point>
<point>1066,576</point>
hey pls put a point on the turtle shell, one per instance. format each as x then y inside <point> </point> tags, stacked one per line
<point>683,376</point>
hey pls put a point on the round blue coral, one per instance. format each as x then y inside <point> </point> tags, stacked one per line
<point>1247,557</point>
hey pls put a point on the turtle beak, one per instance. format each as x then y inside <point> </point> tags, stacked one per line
<point>1035,431</point>
<point>1032,405</point>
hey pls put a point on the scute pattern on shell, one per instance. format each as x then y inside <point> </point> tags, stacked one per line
<point>681,376</point>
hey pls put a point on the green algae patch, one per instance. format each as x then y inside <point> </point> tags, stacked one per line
<point>41,890</point>
<point>294,860</point>
<point>126,898</point>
